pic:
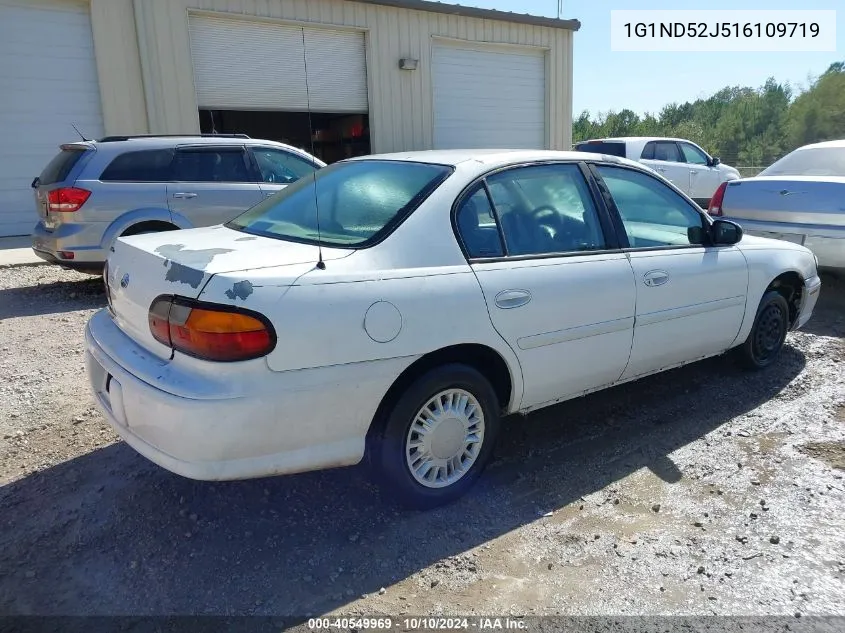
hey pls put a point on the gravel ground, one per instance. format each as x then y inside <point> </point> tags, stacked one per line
<point>703,490</point>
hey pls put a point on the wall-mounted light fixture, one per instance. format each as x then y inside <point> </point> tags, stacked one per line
<point>406,63</point>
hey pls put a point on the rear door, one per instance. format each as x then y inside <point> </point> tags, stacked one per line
<point>212,184</point>
<point>690,296</point>
<point>279,168</point>
<point>666,159</point>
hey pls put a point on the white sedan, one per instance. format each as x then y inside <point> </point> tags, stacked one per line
<point>394,308</point>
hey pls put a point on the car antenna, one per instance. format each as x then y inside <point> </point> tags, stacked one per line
<point>320,263</point>
<point>80,133</point>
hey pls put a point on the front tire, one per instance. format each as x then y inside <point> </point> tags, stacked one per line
<point>763,345</point>
<point>438,437</point>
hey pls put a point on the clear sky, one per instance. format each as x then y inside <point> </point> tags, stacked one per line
<point>606,80</point>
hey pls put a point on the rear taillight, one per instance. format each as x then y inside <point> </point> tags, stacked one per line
<point>210,331</point>
<point>66,199</point>
<point>715,206</point>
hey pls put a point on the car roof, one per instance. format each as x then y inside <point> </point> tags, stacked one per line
<point>492,158</point>
<point>825,144</point>
<point>638,139</point>
<point>120,143</point>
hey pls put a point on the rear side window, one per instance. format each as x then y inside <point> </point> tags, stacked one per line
<point>612,148</point>
<point>57,170</point>
<point>143,166</point>
<point>213,165</point>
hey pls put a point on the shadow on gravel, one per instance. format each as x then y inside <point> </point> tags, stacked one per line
<point>52,298</point>
<point>108,533</point>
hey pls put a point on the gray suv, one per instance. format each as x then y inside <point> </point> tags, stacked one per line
<point>93,192</point>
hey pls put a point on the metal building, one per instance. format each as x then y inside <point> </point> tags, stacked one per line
<point>346,77</point>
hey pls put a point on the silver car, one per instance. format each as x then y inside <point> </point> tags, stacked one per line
<point>800,198</point>
<point>93,192</point>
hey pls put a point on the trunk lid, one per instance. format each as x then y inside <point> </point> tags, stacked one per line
<point>790,200</point>
<point>143,267</point>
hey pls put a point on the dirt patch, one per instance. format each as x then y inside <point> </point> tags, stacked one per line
<point>831,453</point>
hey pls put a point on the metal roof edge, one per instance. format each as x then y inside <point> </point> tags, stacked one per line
<point>475,12</point>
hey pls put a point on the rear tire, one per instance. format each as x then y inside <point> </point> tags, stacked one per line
<point>765,341</point>
<point>438,437</point>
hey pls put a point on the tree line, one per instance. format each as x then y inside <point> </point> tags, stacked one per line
<point>745,127</point>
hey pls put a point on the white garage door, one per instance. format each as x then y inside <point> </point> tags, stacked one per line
<point>48,82</point>
<point>488,98</point>
<point>243,65</point>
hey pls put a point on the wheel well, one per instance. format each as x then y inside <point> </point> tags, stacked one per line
<point>791,286</point>
<point>150,226</point>
<point>480,357</point>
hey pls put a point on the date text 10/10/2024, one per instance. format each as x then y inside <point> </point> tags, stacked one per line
<point>417,624</point>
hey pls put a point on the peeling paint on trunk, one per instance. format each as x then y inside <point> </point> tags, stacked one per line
<point>190,269</point>
<point>241,290</point>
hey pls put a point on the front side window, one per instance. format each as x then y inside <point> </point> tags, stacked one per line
<point>144,166</point>
<point>545,209</point>
<point>652,213</point>
<point>358,202</point>
<point>212,165</point>
<point>816,161</point>
<point>694,155</point>
<point>281,167</point>
<point>662,150</point>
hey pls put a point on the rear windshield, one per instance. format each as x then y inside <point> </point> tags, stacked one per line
<point>58,169</point>
<point>613,148</point>
<point>819,161</point>
<point>359,203</point>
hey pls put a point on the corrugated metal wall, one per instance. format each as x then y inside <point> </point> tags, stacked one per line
<point>400,101</point>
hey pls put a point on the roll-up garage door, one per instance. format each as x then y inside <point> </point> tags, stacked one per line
<point>48,83</point>
<point>488,98</point>
<point>244,65</point>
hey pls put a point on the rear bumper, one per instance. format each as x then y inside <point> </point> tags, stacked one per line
<point>826,242</point>
<point>812,289</point>
<point>251,422</point>
<point>83,240</point>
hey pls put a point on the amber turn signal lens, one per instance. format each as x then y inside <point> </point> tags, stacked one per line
<point>209,331</point>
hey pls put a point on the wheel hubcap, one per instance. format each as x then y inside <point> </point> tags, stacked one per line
<point>770,331</point>
<point>445,438</point>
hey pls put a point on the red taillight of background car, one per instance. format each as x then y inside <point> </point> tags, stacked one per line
<point>210,331</point>
<point>715,206</point>
<point>67,199</point>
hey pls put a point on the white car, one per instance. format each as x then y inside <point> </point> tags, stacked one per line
<point>681,162</point>
<point>800,198</point>
<point>433,294</point>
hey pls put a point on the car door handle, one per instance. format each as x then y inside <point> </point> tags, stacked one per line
<point>660,169</point>
<point>512,299</point>
<point>184,195</point>
<point>655,278</point>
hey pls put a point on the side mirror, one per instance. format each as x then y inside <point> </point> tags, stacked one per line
<point>725,233</point>
<point>35,182</point>
<point>715,161</point>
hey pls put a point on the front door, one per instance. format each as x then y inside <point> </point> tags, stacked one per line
<point>690,297</point>
<point>704,177</point>
<point>666,159</point>
<point>556,290</point>
<point>212,184</point>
